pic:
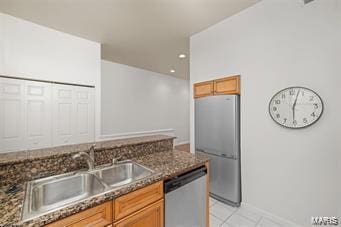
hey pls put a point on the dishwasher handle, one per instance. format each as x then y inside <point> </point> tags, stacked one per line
<point>183,179</point>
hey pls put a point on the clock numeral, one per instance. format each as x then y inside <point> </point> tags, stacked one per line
<point>313,114</point>
<point>278,115</point>
<point>274,108</point>
<point>292,92</point>
<point>305,121</point>
<point>284,120</point>
<point>277,101</point>
<point>294,122</point>
<point>283,96</point>
<point>316,106</point>
<point>311,98</point>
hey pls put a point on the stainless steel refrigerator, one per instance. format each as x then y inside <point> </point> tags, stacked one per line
<point>217,135</point>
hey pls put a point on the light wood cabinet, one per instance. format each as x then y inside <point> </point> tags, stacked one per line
<point>228,85</point>
<point>203,89</point>
<point>141,208</point>
<point>150,216</point>
<point>138,199</point>
<point>97,216</point>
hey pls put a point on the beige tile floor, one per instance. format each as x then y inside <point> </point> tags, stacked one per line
<point>222,215</point>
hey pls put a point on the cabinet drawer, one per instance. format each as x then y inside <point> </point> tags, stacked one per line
<point>136,200</point>
<point>229,85</point>
<point>98,216</point>
<point>151,216</point>
<point>203,89</point>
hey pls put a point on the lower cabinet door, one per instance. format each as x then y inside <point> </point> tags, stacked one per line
<point>98,216</point>
<point>150,216</point>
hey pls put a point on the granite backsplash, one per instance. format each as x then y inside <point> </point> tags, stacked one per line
<point>19,167</point>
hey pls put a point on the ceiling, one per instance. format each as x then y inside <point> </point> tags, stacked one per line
<point>148,34</point>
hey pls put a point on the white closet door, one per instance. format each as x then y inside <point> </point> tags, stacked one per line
<point>12,112</point>
<point>63,115</point>
<point>38,114</point>
<point>84,111</point>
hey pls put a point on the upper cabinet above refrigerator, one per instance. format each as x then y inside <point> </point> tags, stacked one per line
<point>224,86</point>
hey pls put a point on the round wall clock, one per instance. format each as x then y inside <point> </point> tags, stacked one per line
<point>296,107</point>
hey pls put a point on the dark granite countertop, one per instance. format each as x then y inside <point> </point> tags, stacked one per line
<point>165,165</point>
<point>44,153</point>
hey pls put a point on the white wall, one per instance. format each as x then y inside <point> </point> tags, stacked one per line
<point>2,69</point>
<point>32,51</point>
<point>137,100</point>
<point>276,44</point>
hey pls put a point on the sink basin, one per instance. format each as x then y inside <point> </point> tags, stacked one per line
<point>51,193</point>
<point>122,173</point>
<point>54,192</point>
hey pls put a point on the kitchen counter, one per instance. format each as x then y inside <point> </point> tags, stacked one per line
<point>165,164</point>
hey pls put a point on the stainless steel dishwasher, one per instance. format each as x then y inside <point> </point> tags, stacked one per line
<point>185,199</point>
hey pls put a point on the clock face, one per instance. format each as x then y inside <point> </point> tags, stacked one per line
<point>296,107</point>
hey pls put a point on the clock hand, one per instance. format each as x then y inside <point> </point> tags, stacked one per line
<point>294,105</point>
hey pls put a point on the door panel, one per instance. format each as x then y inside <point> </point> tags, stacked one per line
<point>217,125</point>
<point>38,114</point>
<point>74,114</point>
<point>150,216</point>
<point>203,89</point>
<point>98,216</point>
<point>12,114</point>
<point>63,115</point>
<point>228,85</point>
<point>224,177</point>
<point>84,128</point>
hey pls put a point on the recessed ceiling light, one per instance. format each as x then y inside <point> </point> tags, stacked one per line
<point>182,55</point>
<point>172,71</point>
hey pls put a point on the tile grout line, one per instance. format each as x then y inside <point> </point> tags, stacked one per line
<point>235,212</point>
<point>216,217</point>
<point>258,222</point>
<point>225,221</point>
<point>248,218</point>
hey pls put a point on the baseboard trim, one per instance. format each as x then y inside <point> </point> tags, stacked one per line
<point>270,215</point>
<point>169,132</point>
<point>181,143</point>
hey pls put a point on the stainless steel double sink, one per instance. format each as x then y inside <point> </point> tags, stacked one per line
<point>51,193</point>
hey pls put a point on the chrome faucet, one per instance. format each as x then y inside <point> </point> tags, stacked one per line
<point>89,158</point>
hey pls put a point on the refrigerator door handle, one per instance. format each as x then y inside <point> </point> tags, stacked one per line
<point>229,156</point>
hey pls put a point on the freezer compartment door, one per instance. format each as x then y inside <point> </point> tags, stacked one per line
<point>217,125</point>
<point>225,178</point>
